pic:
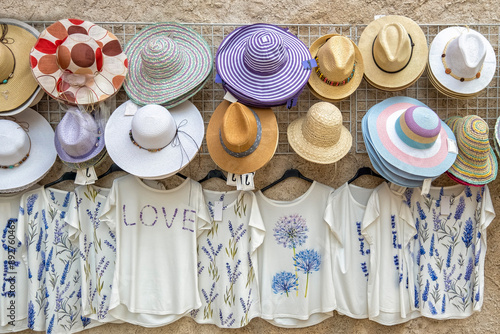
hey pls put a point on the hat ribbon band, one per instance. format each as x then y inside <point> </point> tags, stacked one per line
<point>252,148</point>
<point>448,70</point>
<point>25,126</point>
<point>330,82</point>
<point>5,40</point>
<point>402,68</point>
<point>177,141</point>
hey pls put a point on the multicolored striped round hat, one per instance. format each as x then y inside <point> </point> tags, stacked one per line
<point>261,64</point>
<point>496,136</point>
<point>168,62</point>
<point>476,163</point>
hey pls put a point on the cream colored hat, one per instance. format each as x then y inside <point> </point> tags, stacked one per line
<point>394,50</point>
<point>320,136</point>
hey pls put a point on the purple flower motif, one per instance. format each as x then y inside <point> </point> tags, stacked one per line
<point>31,315</point>
<point>291,231</point>
<point>417,227</point>
<point>238,233</point>
<point>476,258</point>
<point>417,297</point>
<point>408,194</point>
<point>65,273</point>
<point>431,271</point>
<point>49,259</point>
<point>468,233</point>
<point>284,282</point>
<point>421,212</point>
<point>233,274</point>
<point>425,294</point>
<point>431,251</point>
<point>448,258</point>
<point>212,254</point>
<point>110,245</point>
<point>30,202</point>
<point>51,325</point>
<point>460,209</point>
<point>436,220</point>
<point>210,298</point>
<point>432,308</point>
<point>308,261</point>
<point>85,321</point>
<point>227,322</point>
<point>479,195</point>
<point>447,278</point>
<point>468,192</point>
<point>478,296</point>
<point>468,270</point>
<point>438,201</point>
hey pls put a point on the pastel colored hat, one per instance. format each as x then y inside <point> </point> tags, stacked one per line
<point>168,62</point>
<point>18,88</point>
<point>241,139</point>
<point>262,65</point>
<point>394,50</point>
<point>26,152</point>
<point>339,68</point>
<point>152,142</point>
<point>320,136</point>
<point>476,163</point>
<point>78,62</point>
<point>496,136</point>
<point>79,140</point>
<point>462,61</point>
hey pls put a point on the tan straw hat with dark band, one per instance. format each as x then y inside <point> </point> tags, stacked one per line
<point>394,50</point>
<point>240,139</point>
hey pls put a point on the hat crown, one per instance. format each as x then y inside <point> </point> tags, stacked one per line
<point>6,62</point>
<point>336,58</point>
<point>77,132</point>
<point>162,58</point>
<point>15,143</point>
<point>392,47</point>
<point>465,54</point>
<point>79,54</point>
<point>323,124</point>
<point>418,127</point>
<point>153,127</point>
<point>239,128</point>
<point>265,52</point>
<point>472,138</point>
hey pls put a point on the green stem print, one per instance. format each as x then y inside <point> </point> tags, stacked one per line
<point>232,275</point>
<point>208,312</point>
<point>307,261</point>
<point>240,206</point>
<point>236,235</point>
<point>296,273</point>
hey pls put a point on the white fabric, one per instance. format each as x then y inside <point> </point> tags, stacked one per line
<point>227,261</point>
<point>296,294</point>
<point>155,280</point>
<point>449,249</point>
<point>388,227</point>
<point>350,251</point>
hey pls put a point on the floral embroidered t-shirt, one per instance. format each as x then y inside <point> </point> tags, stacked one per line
<point>53,260</point>
<point>156,277</point>
<point>350,251</point>
<point>98,252</point>
<point>227,260</point>
<point>449,249</point>
<point>295,267</point>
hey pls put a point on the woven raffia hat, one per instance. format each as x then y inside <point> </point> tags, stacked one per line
<point>152,142</point>
<point>168,62</point>
<point>241,139</point>
<point>262,65</point>
<point>26,152</point>
<point>394,50</point>
<point>462,60</point>
<point>340,67</point>
<point>320,136</point>
<point>476,163</point>
<point>78,62</point>
<point>18,88</point>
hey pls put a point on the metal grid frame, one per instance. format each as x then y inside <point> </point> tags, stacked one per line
<point>353,108</point>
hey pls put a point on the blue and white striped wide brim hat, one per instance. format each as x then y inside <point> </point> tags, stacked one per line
<point>261,64</point>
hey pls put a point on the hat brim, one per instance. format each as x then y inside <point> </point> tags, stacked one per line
<point>68,159</point>
<point>327,91</point>
<point>169,160</point>
<point>413,70</point>
<point>143,89</point>
<point>252,162</point>
<point>49,75</point>
<point>258,104</point>
<point>451,176</point>
<point>42,154</point>
<point>94,161</point>
<point>272,89</point>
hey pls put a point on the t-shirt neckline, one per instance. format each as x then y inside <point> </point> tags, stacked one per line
<point>295,201</point>
<point>240,193</point>
<point>163,191</point>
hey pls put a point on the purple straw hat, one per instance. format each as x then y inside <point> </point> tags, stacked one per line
<point>262,65</point>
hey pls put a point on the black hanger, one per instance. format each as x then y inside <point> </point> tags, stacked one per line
<point>113,168</point>
<point>364,171</point>
<point>288,173</point>
<point>68,176</point>
<point>214,173</point>
<point>181,176</point>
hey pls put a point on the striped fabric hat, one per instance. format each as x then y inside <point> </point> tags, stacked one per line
<point>168,63</point>
<point>496,136</point>
<point>261,65</point>
<point>476,163</point>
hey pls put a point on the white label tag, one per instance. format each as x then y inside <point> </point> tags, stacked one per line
<point>445,205</point>
<point>376,17</point>
<point>86,176</point>
<point>452,146</point>
<point>230,97</point>
<point>130,108</point>
<point>218,211</point>
<point>426,186</point>
<point>231,179</point>
<point>245,182</point>
<point>397,189</point>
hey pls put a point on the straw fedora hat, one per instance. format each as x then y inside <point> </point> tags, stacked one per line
<point>18,88</point>
<point>320,136</point>
<point>394,50</point>
<point>240,139</point>
<point>340,67</point>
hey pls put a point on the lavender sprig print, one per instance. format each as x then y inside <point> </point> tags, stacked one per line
<point>417,296</point>
<point>432,308</point>
<point>232,274</point>
<point>438,201</point>
<point>307,261</point>
<point>407,196</point>
<point>236,235</point>
<point>432,273</point>
<point>31,315</point>
<point>30,202</point>
<point>51,325</point>
<point>468,270</point>
<point>468,192</point>
<point>443,304</point>
<point>226,321</point>
<point>460,209</point>
<point>431,250</point>
<point>284,282</point>
<point>251,271</point>
<point>468,234</point>
<point>448,282</point>
<point>425,294</point>
<point>209,299</point>
<point>421,212</point>
<point>436,296</point>
<point>246,308</point>
<point>212,253</point>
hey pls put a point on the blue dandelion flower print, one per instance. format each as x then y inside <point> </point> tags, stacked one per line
<point>284,282</point>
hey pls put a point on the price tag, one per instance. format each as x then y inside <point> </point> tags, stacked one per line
<point>445,205</point>
<point>218,211</point>
<point>245,182</point>
<point>376,17</point>
<point>85,176</point>
<point>130,108</point>
<point>231,179</point>
<point>452,146</point>
<point>426,187</point>
<point>230,97</point>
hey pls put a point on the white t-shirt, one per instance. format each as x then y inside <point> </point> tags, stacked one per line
<point>227,261</point>
<point>350,251</point>
<point>295,267</point>
<point>156,278</point>
<point>47,223</point>
<point>388,227</point>
<point>13,291</point>
<point>449,249</point>
<point>98,253</point>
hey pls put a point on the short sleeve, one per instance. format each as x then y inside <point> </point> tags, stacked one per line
<point>406,216</point>
<point>202,213</point>
<point>257,228</point>
<point>108,213</point>
<point>21,219</point>
<point>332,219</point>
<point>72,218</point>
<point>372,214</point>
<point>487,210</point>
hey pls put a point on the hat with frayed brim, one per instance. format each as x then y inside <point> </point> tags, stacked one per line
<point>241,139</point>
<point>395,52</point>
<point>320,136</point>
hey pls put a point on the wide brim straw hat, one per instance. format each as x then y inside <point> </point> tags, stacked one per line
<point>187,136</point>
<point>263,64</point>
<point>21,90</point>
<point>78,62</point>
<point>329,92</point>
<point>260,154</point>
<point>413,69</point>
<point>457,180</point>
<point>42,153</point>
<point>319,136</point>
<point>183,59</point>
